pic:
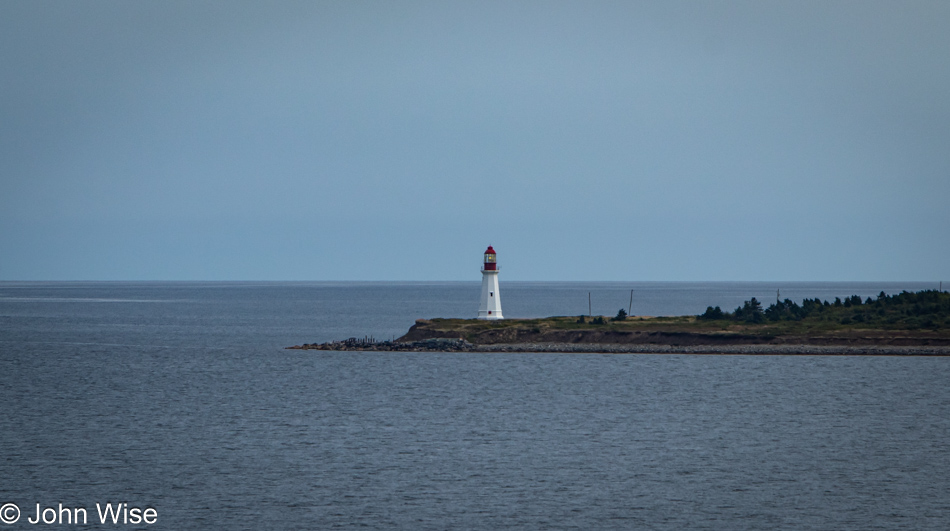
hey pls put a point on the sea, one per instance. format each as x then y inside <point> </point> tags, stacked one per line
<point>179,400</point>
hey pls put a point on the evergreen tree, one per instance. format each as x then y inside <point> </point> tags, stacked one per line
<point>750,311</point>
<point>713,313</point>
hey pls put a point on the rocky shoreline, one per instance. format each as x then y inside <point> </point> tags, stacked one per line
<point>460,345</point>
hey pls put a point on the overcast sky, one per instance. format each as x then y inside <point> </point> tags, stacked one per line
<point>585,140</point>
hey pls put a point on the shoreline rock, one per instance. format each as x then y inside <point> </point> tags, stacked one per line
<point>460,345</point>
<point>362,345</point>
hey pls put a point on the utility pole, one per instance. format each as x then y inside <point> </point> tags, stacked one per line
<point>630,308</point>
<point>589,312</point>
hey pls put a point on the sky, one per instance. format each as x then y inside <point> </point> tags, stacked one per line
<point>585,141</point>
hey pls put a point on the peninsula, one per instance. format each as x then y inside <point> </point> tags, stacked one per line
<point>906,323</point>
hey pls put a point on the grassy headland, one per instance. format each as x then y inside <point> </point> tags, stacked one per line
<point>921,318</point>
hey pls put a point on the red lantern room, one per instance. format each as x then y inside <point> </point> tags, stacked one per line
<point>490,264</point>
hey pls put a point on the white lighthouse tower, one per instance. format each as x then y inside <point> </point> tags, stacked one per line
<point>490,306</point>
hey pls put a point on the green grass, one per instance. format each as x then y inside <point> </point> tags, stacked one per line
<point>924,312</point>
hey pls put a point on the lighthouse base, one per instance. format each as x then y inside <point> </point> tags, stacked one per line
<point>490,305</point>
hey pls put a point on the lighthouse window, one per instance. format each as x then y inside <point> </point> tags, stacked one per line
<point>491,293</point>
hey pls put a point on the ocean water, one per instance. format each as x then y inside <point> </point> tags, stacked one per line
<point>180,397</point>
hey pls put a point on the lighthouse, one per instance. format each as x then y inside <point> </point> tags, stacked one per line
<point>490,305</point>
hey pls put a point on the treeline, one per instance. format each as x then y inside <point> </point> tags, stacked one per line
<point>922,309</point>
